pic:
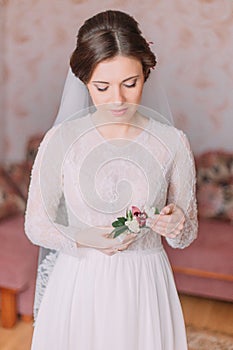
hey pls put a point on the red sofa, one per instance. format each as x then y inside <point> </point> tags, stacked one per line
<point>18,264</point>
<point>18,257</point>
<point>205,268</point>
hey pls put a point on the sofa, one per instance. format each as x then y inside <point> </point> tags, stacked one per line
<point>205,268</point>
<point>18,257</point>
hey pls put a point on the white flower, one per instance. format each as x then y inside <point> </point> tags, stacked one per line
<point>133,225</point>
<point>149,211</point>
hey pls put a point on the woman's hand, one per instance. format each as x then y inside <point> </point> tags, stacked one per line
<point>123,242</point>
<point>169,223</point>
<point>99,238</point>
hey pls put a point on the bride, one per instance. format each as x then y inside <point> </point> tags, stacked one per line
<point>108,292</point>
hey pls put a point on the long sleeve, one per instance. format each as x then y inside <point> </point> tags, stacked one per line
<point>45,191</point>
<point>182,189</point>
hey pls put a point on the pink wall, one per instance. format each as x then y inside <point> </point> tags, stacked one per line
<point>2,17</point>
<point>193,40</point>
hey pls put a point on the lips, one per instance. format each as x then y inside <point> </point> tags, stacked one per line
<point>118,112</point>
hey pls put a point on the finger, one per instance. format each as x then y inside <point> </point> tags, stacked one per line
<point>174,217</point>
<point>162,221</point>
<point>174,234</point>
<point>116,243</point>
<point>124,238</point>
<point>171,235</point>
<point>180,226</point>
<point>168,209</point>
<point>152,221</point>
<point>164,228</point>
<point>107,251</point>
<point>107,235</point>
<point>167,227</point>
<point>130,237</point>
<point>170,221</point>
<point>125,246</point>
<point>164,231</point>
<point>160,231</point>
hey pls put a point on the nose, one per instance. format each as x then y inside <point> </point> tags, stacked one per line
<point>118,96</point>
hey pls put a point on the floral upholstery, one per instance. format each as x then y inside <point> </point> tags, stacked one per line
<point>19,174</point>
<point>14,181</point>
<point>11,201</point>
<point>215,185</point>
<point>32,147</point>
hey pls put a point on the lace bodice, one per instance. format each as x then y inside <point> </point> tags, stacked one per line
<point>99,179</point>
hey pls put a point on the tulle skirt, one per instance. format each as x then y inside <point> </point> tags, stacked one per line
<point>127,301</point>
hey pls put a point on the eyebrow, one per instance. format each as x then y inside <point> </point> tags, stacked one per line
<point>105,82</point>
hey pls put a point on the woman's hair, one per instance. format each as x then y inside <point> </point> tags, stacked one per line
<point>105,36</point>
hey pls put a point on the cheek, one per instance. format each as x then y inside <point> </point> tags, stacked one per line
<point>136,96</point>
<point>139,95</point>
<point>97,97</point>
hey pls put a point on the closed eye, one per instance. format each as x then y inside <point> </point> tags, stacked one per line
<point>131,85</point>
<point>101,87</point>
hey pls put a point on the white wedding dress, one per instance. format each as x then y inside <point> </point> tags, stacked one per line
<point>127,301</point>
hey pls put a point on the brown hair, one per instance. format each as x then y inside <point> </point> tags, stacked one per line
<point>105,36</point>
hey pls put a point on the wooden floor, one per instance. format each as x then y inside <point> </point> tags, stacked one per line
<point>198,312</point>
<point>208,314</point>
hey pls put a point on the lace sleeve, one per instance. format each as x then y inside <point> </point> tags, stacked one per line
<point>182,192</point>
<point>40,224</point>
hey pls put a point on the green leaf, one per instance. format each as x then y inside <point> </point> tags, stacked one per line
<point>157,211</point>
<point>130,215</point>
<point>117,224</point>
<point>122,219</point>
<point>117,231</point>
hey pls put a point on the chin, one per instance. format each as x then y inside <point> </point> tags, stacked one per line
<point>122,114</point>
<point>114,114</point>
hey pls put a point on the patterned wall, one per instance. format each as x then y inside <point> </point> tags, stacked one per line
<point>193,40</point>
<point>2,17</point>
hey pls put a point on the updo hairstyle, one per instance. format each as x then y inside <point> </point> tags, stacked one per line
<point>106,35</point>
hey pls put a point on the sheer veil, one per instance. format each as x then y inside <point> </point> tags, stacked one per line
<point>76,98</point>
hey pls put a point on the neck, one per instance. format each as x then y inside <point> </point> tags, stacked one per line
<point>120,129</point>
<point>116,130</point>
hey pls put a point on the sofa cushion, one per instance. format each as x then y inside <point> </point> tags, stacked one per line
<point>19,174</point>
<point>11,200</point>
<point>215,185</point>
<point>18,256</point>
<point>209,257</point>
<point>32,148</point>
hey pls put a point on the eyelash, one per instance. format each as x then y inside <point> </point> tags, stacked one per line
<point>101,89</point>
<point>131,85</point>
<point>128,86</point>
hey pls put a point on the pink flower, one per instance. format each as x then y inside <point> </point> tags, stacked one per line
<point>142,219</point>
<point>135,210</point>
<point>139,215</point>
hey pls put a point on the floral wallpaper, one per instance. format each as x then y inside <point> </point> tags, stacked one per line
<point>193,41</point>
<point>2,17</point>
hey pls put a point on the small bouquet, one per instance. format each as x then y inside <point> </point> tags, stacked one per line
<point>134,220</point>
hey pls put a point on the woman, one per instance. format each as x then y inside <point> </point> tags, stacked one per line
<point>107,292</point>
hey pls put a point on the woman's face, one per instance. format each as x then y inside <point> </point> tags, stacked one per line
<point>116,87</point>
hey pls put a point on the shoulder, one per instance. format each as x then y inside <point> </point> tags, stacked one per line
<point>76,125</point>
<point>67,129</point>
<point>165,130</point>
<point>169,135</point>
